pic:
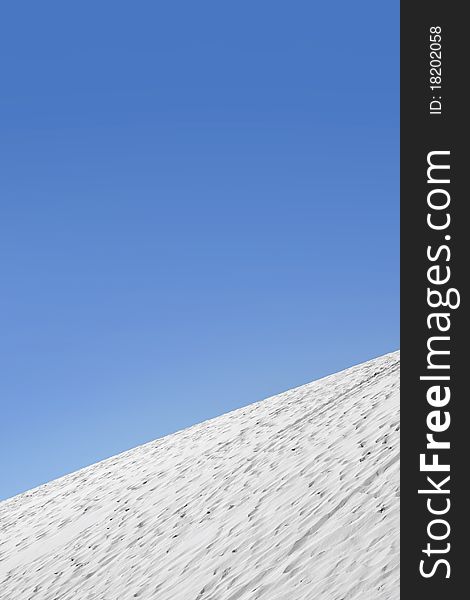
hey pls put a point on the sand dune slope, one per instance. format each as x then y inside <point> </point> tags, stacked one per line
<point>292,498</point>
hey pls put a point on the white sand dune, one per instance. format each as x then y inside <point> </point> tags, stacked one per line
<point>292,498</point>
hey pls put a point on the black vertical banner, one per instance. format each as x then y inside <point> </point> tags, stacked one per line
<point>434,295</point>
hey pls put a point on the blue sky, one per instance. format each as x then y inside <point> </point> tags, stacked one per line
<point>199,208</point>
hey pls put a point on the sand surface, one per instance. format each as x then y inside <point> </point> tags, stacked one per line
<point>291,498</point>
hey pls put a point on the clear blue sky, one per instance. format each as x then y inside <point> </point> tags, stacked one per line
<point>199,209</point>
